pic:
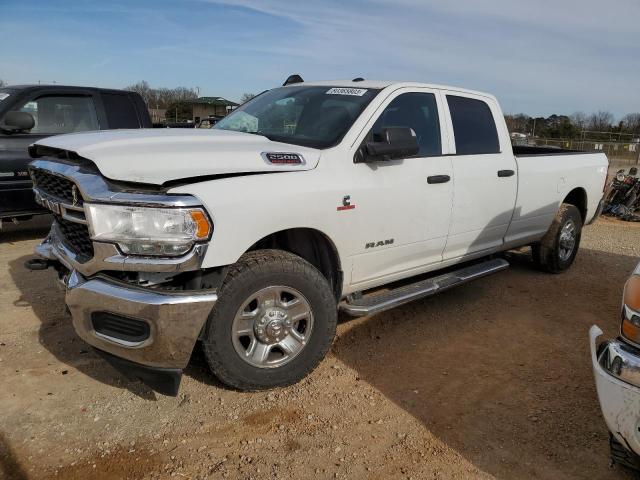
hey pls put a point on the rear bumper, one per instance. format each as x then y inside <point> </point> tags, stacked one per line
<point>617,374</point>
<point>173,319</point>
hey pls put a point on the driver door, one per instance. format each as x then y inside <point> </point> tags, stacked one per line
<point>54,112</point>
<point>405,204</point>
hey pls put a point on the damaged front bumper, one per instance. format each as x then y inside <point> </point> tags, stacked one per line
<point>616,366</point>
<point>147,332</point>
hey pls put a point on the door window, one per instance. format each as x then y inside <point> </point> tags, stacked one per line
<point>473,126</point>
<point>120,111</point>
<point>62,114</point>
<point>417,111</point>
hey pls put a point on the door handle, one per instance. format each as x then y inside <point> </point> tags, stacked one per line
<point>506,173</point>
<point>438,179</point>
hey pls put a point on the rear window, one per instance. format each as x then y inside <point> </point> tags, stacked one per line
<point>473,126</point>
<point>121,113</point>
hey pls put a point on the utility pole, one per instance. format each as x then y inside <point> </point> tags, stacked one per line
<point>534,128</point>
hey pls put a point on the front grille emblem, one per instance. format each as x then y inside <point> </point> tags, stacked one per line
<point>74,195</point>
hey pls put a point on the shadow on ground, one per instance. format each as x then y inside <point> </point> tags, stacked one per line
<point>39,291</point>
<point>499,369</point>
<point>36,227</point>
<point>10,468</point>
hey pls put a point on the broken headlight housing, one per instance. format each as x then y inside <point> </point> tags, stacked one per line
<point>631,308</point>
<point>148,230</point>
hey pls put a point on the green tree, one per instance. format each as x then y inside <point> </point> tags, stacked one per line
<point>178,112</point>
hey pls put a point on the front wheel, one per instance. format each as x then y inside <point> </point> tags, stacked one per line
<point>274,321</point>
<point>558,248</point>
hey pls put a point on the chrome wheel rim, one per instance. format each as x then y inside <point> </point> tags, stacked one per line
<point>272,327</point>
<point>567,241</point>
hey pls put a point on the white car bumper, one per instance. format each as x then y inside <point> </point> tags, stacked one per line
<point>617,373</point>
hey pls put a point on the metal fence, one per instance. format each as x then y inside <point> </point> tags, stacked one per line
<point>623,153</point>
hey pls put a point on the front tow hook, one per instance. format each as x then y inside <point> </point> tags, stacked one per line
<point>38,264</point>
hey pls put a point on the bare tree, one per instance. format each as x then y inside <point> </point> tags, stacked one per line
<point>246,97</point>
<point>631,122</point>
<point>600,121</point>
<point>580,120</point>
<point>518,123</point>
<point>3,83</point>
<point>162,97</point>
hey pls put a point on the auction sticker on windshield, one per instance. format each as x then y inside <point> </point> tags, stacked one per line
<point>358,92</point>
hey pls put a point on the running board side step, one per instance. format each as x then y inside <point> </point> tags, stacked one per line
<point>369,305</point>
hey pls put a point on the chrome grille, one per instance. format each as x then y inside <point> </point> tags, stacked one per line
<point>61,195</point>
<point>76,237</point>
<point>55,186</point>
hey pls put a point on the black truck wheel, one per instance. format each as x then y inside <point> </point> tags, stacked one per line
<point>558,248</point>
<point>274,321</point>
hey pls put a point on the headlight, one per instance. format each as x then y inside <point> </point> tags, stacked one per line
<point>148,230</point>
<point>631,308</point>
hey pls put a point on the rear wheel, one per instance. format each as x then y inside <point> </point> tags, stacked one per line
<point>274,321</point>
<point>558,248</point>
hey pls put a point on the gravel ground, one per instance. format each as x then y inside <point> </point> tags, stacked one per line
<point>491,380</point>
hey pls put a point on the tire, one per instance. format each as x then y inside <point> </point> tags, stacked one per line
<point>260,284</point>
<point>552,253</point>
<point>622,456</point>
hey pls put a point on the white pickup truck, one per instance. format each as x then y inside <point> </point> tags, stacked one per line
<point>251,236</point>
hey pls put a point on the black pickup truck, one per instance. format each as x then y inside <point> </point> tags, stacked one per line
<point>31,112</point>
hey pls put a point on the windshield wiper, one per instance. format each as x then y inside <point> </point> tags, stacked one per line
<point>264,134</point>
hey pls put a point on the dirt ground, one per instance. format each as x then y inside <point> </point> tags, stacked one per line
<point>491,380</point>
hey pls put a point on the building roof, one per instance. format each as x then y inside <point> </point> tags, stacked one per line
<point>212,101</point>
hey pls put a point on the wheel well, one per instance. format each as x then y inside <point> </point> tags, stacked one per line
<point>313,246</point>
<point>578,198</point>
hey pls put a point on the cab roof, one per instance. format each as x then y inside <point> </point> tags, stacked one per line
<point>380,84</point>
<point>44,86</point>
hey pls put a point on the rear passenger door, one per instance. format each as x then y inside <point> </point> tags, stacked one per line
<point>484,173</point>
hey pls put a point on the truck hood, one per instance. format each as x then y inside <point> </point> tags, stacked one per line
<point>156,156</point>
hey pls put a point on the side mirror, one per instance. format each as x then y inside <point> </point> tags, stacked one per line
<point>19,121</point>
<point>397,142</point>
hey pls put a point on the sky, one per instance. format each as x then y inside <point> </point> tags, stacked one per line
<point>537,56</point>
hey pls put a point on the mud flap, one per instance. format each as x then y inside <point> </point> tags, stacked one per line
<point>165,381</point>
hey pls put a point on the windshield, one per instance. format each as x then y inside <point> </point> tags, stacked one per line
<point>315,117</point>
